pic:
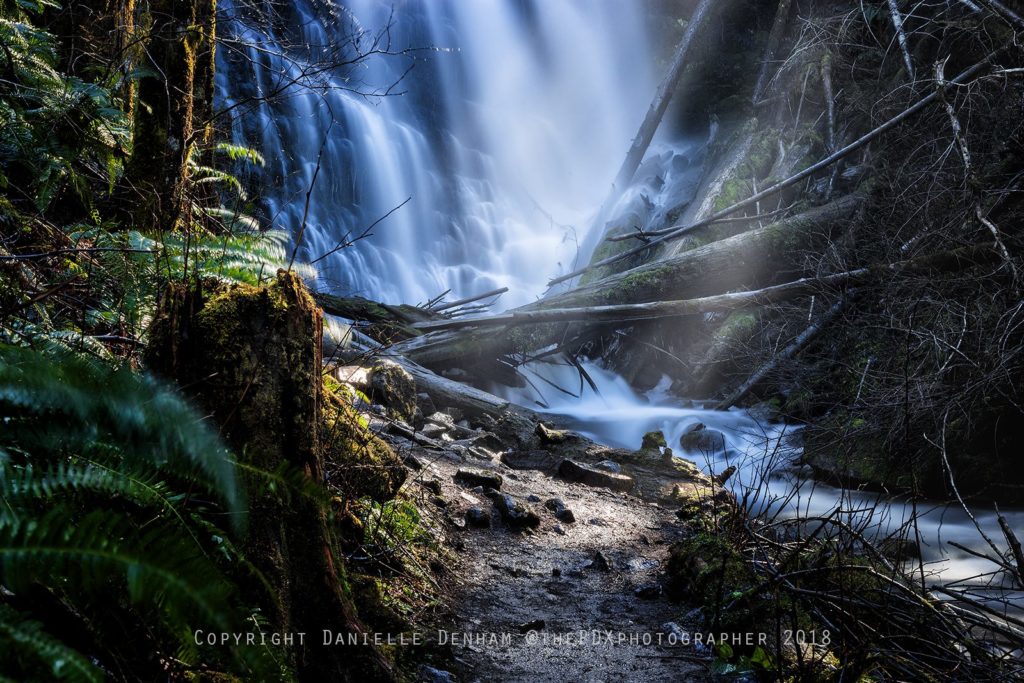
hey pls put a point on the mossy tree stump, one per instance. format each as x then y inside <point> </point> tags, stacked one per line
<point>252,358</point>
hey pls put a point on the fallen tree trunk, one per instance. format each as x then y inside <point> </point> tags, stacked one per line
<point>465,339</point>
<point>788,182</point>
<point>747,260</point>
<point>719,302</point>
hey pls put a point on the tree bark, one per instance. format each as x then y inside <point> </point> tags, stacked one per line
<point>252,358</point>
<point>180,51</point>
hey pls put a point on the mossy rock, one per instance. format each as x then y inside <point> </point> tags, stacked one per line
<point>357,462</point>
<point>395,389</point>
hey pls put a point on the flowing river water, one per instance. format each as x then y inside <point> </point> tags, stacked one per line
<point>497,146</point>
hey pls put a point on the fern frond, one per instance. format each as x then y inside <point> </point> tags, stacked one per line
<point>26,648</point>
<point>58,402</point>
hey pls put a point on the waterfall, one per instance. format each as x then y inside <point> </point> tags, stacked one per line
<point>486,140</point>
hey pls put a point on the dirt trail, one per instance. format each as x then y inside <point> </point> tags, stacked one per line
<point>568,617</point>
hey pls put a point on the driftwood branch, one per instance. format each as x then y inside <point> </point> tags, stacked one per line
<point>901,36</point>
<point>792,180</point>
<point>469,300</point>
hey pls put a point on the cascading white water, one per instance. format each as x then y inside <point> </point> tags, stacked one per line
<point>505,143</point>
<point>502,172</point>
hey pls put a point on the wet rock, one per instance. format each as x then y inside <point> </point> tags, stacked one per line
<point>439,501</point>
<point>441,420</point>
<point>516,514</point>
<point>472,478</point>
<point>478,518</point>
<point>555,571</point>
<point>558,529</point>
<point>609,466</point>
<point>653,441</point>
<point>577,472</point>
<point>650,591</point>
<point>535,625</point>
<point>671,628</point>
<point>428,674</point>
<point>601,562</point>
<point>529,460</point>
<point>561,512</point>
<point>480,453</point>
<point>432,431</point>
<point>393,387</point>
<point>533,498</point>
<point>698,437</point>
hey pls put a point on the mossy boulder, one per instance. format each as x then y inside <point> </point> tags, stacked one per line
<point>394,388</point>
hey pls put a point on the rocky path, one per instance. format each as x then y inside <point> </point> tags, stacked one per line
<point>553,580</point>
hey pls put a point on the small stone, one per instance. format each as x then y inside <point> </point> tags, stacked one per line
<point>516,513</point>
<point>555,571</point>
<point>558,529</point>
<point>432,431</point>
<point>432,485</point>
<point>439,501</point>
<point>601,562</point>
<point>548,435</point>
<point>671,628</point>
<point>650,591</point>
<point>443,420</point>
<point>429,674</point>
<point>533,498</point>
<point>609,466</point>
<point>561,512</point>
<point>486,478</point>
<point>574,471</point>
<point>478,518</point>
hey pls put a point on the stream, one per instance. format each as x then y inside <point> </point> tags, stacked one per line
<point>485,164</point>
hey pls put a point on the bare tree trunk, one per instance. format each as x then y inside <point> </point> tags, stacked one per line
<point>774,40</point>
<point>662,98</point>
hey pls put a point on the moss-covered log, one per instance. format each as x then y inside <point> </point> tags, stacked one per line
<point>252,358</point>
<point>749,259</point>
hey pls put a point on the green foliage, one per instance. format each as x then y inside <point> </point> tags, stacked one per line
<point>115,498</point>
<point>57,132</point>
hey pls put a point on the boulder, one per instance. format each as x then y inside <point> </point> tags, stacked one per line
<point>653,441</point>
<point>591,476</point>
<point>699,438</point>
<point>394,388</point>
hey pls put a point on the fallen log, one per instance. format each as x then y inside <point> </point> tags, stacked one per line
<point>465,340</point>
<point>720,302</point>
<point>788,182</point>
<point>745,261</point>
